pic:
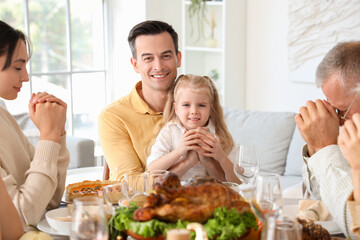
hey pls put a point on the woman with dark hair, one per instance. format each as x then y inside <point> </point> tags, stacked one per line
<point>34,177</point>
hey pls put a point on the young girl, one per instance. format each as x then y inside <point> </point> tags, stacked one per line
<point>194,139</point>
<point>34,178</point>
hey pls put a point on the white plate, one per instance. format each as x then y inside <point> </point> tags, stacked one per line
<point>331,226</point>
<point>45,227</point>
<point>80,174</point>
<point>87,173</point>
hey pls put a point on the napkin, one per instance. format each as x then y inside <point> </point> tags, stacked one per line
<point>312,210</point>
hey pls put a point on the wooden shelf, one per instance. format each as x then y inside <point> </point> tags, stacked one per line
<point>208,3</point>
<point>204,49</point>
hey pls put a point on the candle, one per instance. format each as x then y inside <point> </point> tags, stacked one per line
<point>178,234</point>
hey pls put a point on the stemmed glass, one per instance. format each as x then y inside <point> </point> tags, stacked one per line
<point>247,163</point>
<point>88,220</point>
<point>267,202</point>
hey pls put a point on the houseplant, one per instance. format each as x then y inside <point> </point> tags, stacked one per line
<point>197,12</point>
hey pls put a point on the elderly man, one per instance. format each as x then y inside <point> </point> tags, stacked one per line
<point>326,172</point>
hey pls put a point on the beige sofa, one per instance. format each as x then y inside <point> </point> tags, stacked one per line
<point>277,138</point>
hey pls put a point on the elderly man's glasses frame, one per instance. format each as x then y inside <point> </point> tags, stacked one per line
<point>341,114</point>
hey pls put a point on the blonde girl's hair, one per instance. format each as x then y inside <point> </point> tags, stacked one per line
<point>216,113</point>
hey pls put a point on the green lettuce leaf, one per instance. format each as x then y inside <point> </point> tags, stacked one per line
<point>226,224</point>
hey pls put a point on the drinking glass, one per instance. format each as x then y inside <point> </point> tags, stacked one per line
<point>134,187</point>
<point>153,177</point>
<point>247,191</point>
<point>247,163</point>
<point>113,193</point>
<point>288,229</point>
<point>233,186</point>
<point>267,202</point>
<point>88,219</point>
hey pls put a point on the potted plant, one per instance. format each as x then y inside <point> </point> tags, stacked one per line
<point>197,11</point>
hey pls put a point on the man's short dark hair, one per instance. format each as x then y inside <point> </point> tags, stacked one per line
<point>151,28</point>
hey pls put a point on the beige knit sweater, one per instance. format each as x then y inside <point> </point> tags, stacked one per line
<point>34,178</point>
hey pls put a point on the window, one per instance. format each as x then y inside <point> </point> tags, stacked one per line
<point>68,56</point>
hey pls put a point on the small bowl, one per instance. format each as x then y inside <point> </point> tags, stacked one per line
<point>59,219</point>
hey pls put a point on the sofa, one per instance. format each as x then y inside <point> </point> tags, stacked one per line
<point>278,141</point>
<point>81,149</point>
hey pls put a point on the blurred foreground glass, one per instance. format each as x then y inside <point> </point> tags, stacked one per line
<point>153,177</point>
<point>267,202</point>
<point>247,191</point>
<point>233,186</point>
<point>88,219</point>
<point>247,163</point>
<point>133,187</point>
<point>113,193</point>
<point>288,229</point>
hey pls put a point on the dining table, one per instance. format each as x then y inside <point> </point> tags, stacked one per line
<point>72,176</point>
<point>95,173</point>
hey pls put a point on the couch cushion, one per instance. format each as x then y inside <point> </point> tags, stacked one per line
<point>271,132</point>
<point>294,161</point>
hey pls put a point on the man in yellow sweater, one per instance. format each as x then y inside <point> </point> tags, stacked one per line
<point>127,127</point>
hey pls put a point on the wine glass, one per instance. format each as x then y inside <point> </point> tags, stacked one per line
<point>247,163</point>
<point>88,219</point>
<point>267,201</point>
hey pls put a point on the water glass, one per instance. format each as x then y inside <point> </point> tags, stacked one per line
<point>267,202</point>
<point>89,219</point>
<point>233,186</point>
<point>247,191</point>
<point>134,187</point>
<point>113,193</point>
<point>288,229</point>
<point>268,198</point>
<point>247,163</point>
<point>153,177</point>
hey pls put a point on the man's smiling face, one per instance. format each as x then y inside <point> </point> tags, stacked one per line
<point>156,61</point>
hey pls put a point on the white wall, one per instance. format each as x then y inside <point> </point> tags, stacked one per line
<point>123,15</point>
<point>267,85</point>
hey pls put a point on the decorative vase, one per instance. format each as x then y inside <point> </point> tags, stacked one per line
<point>211,42</point>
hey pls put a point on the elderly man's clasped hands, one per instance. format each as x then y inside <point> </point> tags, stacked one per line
<point>318,124</point>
